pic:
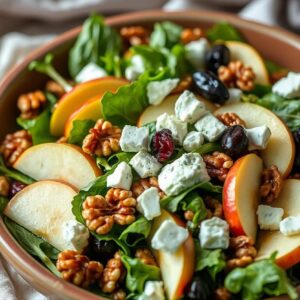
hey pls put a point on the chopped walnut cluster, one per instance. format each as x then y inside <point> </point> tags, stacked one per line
<point>218,165</point>
<point>119,295</point>
<point>143,184</point>
<point>4,186</point>
<point>191,34</point>
<point>222,293</point>
<point>14,145</point>
<point>237,75</point>
<point>271,184</point>
<point>134,35</point>
<point>101,213</point>
<point>78,269</point>
<point>242,252</point>
<point>231,119</point>
<point>214,207</point>
<point>113,274</point>
<point>55,88</point>
<point>145,256</point>
<point>184,84</point>
<point>103,139</point>
<point>31,104</point>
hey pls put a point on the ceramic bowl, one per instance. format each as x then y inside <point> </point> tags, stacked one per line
<point>273,43</point>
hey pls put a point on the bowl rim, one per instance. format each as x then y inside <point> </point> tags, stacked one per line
<point>23,262</point>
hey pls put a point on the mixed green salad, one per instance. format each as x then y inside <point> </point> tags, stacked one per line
<point>164,167</point>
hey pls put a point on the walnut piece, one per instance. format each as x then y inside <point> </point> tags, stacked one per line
<point>134,35</point>
<point>78,269</point>
<point>55,88</point>
<point>184,84</point>
<point>271,184</point>
<point>218,165</point>
<point>222,293</point>
<point>4,186</point>
<point>143,184</point>
<point>237,75</point>
<point>113,274</point>
<point>145,256</point>
<point>103,139</point>
<point>119,295</point>
<point>189,215</point>
<point>231,119</point>
<point>191,34</point>
<point>14,145</point>
<point>214,207</point>
<point>276,76</point>
<point>101,213</point>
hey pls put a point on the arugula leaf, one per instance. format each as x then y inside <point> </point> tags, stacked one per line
<point>96,43</point>
<point>261,90</point>
<point>260,278</point>
<point>224,31</point>
<point>116,158</point>
<point>103,163</point>
<point>171,202</point>
<point>272,67</point>
<point>79,131</point>
<point>208,148</point>
<point>136,232</point>
<point>3,203</point>
<point>138,273</point>
<point>34,245</point>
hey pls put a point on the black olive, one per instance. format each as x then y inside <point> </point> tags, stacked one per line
<point>101,250</point>
<point>234,141</point>
<point>217,56</point>
<point>296,135</point>
<point>210,87</point>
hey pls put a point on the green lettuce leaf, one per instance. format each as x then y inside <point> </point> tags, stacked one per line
<point>224,31</point>
<point>79,131</point>
<point>3,203</point>
<point>208,148</point>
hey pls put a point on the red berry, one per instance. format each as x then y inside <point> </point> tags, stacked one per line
<point>15,188</point>
<point>162,145</point>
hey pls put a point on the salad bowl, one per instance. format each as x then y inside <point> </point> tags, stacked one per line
<point>273,44</point>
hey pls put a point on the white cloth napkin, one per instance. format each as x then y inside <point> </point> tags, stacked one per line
<point>15,46</point>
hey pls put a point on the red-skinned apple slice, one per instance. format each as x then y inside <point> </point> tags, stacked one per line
<point>176,268</point>
<point>240,195</point>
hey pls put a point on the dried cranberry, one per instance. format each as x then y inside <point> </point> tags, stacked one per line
<point>162,145</point>
<point>15,188</point>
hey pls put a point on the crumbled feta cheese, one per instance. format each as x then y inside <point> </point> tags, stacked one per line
<point>169,236</point>
<point>121,178</point>
<point>135,69</point>
<point>134,139</point>
<point>89,72</point>
<point>158,90</point>
<point>290,226</point>
<point>182,173</point>
<point>76,235</point>
<point>196,51</point>
<point>177,127</point>
<point>288,87</point>
<point>269,217</point>
<point>193,141</point>
<point>214,234</point>
<point>235,95</point>
<point>145,164</point>
<point>210,127</point>
<point>258,137</point>
<point>148,203</point>
<point>153,290</point>
<point>188,108</point>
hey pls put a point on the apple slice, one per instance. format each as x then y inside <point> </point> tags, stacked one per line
<point>64,162</point>
<point>176,268</point>
<point>250,57</point>
<point>151,113</point>
<point>42,207</point>
<point>287,247</point>
<point>240,195</point>
<point>74,99</point>
<point>280,150</point>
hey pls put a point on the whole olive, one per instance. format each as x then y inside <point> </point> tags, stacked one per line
<point>210,87</point>
<point>234,141</point>
<point>101,250</point>
<point>200,288</point>
<point>217,56</point>
<point>296,135</point>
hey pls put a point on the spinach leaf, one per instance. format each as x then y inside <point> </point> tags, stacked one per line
<point>224,31</point>
<point>95,41</point>
<point>261,90</point>
<point>260,278</point>
<point>34,245</point>
<point>79,131</point>
<point>171,202</point>
<point>103,164</point>
<point>3,203</point>
<point>208,148</point>
<point>113,160</point>
<point>136,232</point>
<point>138,273</point>
<point>113,64</point>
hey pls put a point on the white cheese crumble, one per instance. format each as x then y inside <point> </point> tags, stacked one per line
<point>214,234</point>
<point>76,235</point>
<point>188,108</point>
<point>134,139</point>
<point>89,72</point>
<point>177,127</point>
<point>148,203</point>
<point>290,226</point>
<point>169,236</point>
<point>182,173</point>
<point>288,87</point>
<point>153,290</point>
<point>196,51</point>
<point>121,178</point>
<point>157,91</point>
<point>258,137</point>
<point>269,217</point>
<point>193,141</point>
<point>135,69</point>
<point>145,164</point>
